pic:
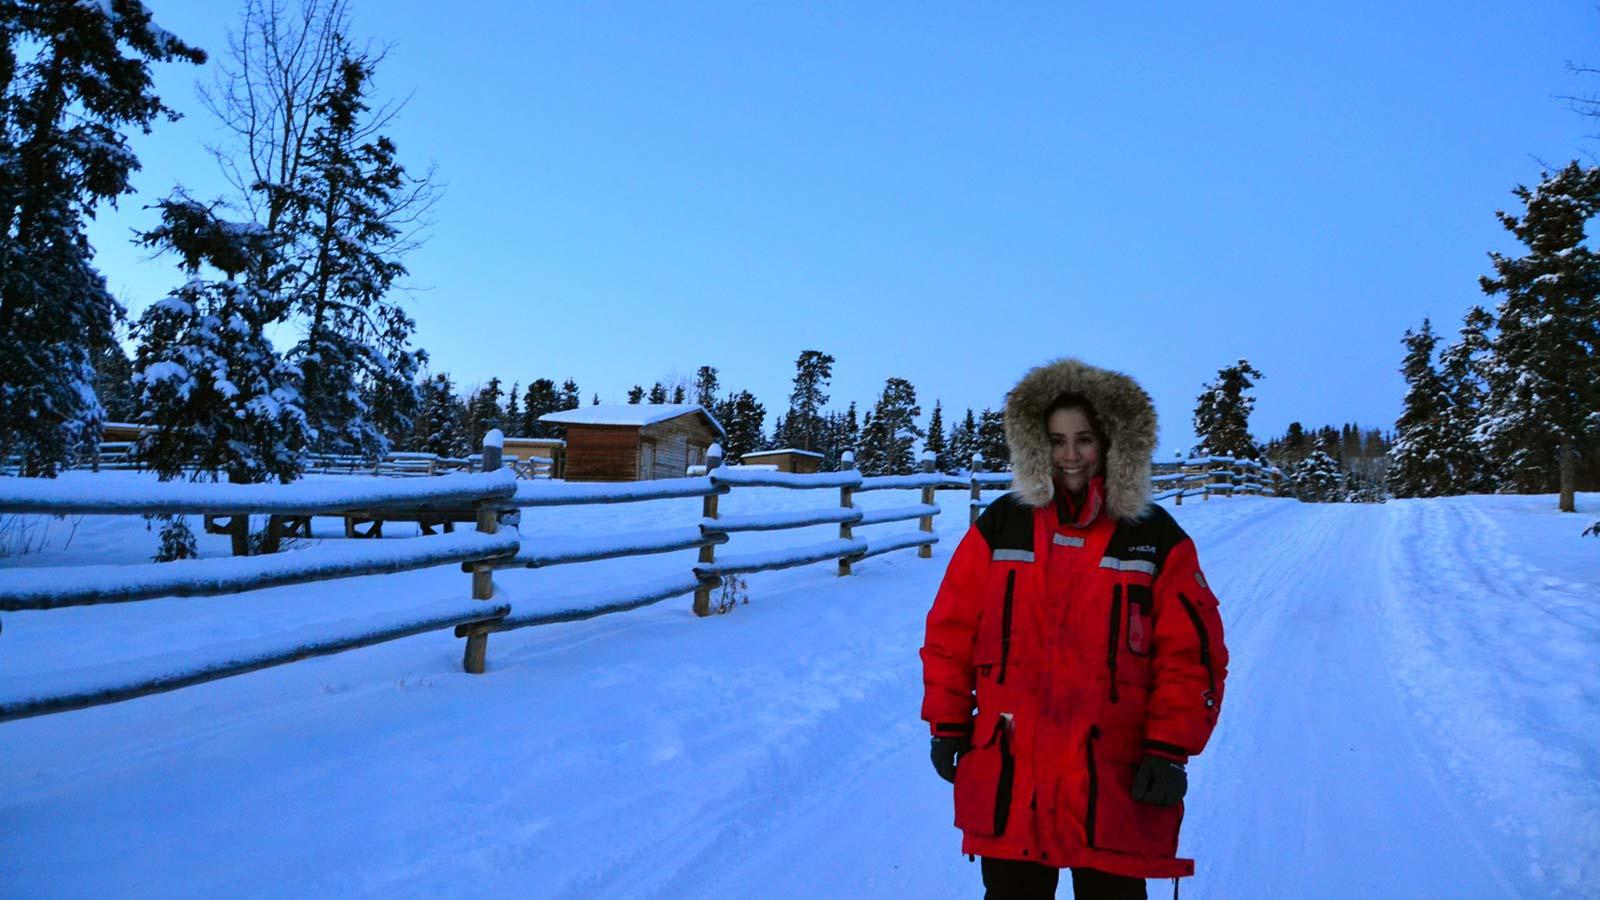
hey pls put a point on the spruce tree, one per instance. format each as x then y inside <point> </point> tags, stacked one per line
<point>658,394</point>
<point>872,451</point>
<point>540,398</point>
<point>813,371</point>
<point>512,416</point>
<point>705,387</point>
<point>484,413</point>
<point>113,382</point>
<point>222,400</point>
<point>1544,377</point>
<point>1418,464</point>
<point>849,431</point>
<point>742,417</point>
<point>569,395</point>
<point>963,442</point>
<point>679,395</point>
<point>438,428</point>
<point>342,258</point>
<point>74,78</point>
<point>1317,479</point>
<point>894,433</point>
<point>1222,414</point>
<point>636,394</point>
<point>936,442</point>
<point>991,435</point>
<point>1461,367</point>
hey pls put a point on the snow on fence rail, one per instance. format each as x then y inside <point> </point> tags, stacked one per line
<point>489,498</point>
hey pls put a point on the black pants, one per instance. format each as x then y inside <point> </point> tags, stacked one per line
<point>1006,879</point>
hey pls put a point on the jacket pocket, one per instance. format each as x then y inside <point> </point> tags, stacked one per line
<point>984,777</point>
<point>1141,601</point>
<point>1114,820</point>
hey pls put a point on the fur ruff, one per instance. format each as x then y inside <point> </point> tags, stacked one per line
<point>1126,413</point>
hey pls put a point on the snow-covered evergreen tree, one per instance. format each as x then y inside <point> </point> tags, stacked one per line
<point>74,77</point>
<point>813,371</point>
<point>992,440</point>
<point>222,401</point>
<point>1419,464</point>
<point>438,427</point>
<point>1317,479</point>
<point>1222,414</point>
<point>889,443</point>
<point>936,441</point>
<point>484,413</point>
<point>341,247</point>
<point>963,442</point>
<point>113,382</point>
<point>1461,367</point>
<point>1544,377</point>
<point>743,418</point>
<point>512,415</point>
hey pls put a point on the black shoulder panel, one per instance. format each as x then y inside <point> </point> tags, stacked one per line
<point>1007,524</point>
<point>1149,538</point>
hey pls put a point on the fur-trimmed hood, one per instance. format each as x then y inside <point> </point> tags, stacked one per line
<point>1126,413</point>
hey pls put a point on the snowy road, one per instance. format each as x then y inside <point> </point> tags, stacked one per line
<point>1411,713</point>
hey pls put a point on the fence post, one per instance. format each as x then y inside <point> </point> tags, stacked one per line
<point>977,494</point>
<point>926,523</point>
<point>708,553</point>
<point>847,463</point>
<point>482,573</point>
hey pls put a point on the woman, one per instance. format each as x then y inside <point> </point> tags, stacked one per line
<point>1074,658</point>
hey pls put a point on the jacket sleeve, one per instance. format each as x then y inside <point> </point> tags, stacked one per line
<point>1190,659</point>
<point>948,679</point>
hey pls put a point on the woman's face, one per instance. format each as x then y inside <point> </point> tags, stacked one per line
<point>1074,449</point>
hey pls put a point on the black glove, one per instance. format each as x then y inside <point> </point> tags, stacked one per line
<point>945,752</point>
<point>1160,781</point>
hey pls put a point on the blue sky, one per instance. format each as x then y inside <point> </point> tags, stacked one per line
<point>945,193</point>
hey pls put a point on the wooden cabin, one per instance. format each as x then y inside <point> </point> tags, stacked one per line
<point>802,462</point>
<point>538,456</point>
<point>635,441</point>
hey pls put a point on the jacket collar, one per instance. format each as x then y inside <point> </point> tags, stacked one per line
<point>1071,515</point>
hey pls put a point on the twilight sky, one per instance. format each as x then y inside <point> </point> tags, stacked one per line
<point>941,192</point>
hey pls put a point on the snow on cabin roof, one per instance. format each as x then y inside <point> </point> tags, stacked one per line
<point>784,450</point>
<point>635,414</point>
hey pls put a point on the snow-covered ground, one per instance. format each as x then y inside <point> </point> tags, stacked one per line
<point>1413,711</point>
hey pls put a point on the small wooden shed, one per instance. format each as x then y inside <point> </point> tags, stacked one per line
<point>635,441</point>
<point>803,462</point>
<point>540,456</point>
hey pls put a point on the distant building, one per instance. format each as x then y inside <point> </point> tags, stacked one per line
<point>802,462</point>
<point>538,457</point>
<point>635,441</point>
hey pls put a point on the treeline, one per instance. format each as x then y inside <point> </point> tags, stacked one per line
<point>1320,465</point>
<point>1513,405</point>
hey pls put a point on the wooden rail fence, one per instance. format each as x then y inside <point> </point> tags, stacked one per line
<point>495,497</point>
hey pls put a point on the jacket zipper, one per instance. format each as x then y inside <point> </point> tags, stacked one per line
<point>1002,794</point>
<point>1005,626</point>
<point>1111,642</point>
<point>1205,649</point>
<point>1094,785</point>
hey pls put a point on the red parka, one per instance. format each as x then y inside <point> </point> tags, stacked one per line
<point>1067,652</point>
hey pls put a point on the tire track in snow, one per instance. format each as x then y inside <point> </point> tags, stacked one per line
<point>1314,785</point>
<point>1504,683</point>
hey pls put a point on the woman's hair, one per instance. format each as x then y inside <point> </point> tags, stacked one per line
<point>1078,401</point>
